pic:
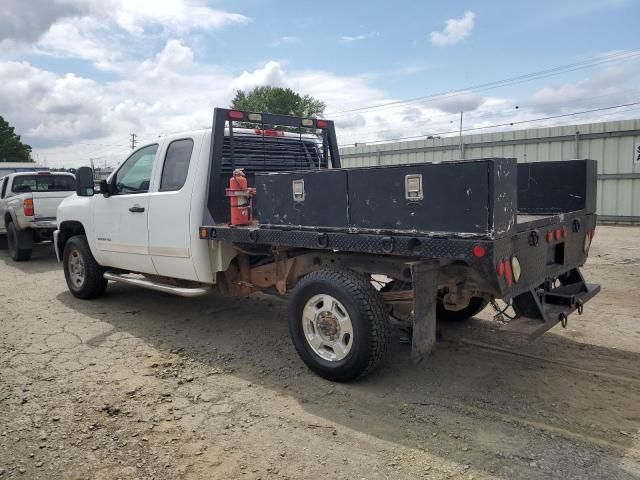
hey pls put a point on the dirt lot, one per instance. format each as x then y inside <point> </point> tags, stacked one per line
<point>145,385</point>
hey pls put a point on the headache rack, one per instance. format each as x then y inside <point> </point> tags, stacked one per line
<point>262,142</point>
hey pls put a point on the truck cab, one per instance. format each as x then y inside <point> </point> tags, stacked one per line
<point>146,218</point>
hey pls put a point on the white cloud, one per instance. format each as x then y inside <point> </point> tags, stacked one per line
<point>101,30</point>
<point>285,40</point>
<point>460,102</point>
<point>174,15</point>
<point>271,74</point>
<point>455,30</point>
<point>358,38</point>
<point>25,23</point>
<point>609,86</point>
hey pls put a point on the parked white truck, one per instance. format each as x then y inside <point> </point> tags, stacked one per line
<point>28,205</point>
<point>179,216</point>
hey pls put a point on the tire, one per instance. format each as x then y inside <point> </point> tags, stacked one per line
<point>335,300</point>
<point>476,305</point>
<point>17,249</point>
<point>81,271</point>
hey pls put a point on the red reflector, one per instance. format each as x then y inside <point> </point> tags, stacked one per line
<point>500,269</point>
<point>508,273</point>
<point>558,234</point>
<point>269,133</point>
<point>549,236</point>
<point>479,251</point>
<point>592,233</point>
<point>565,232</point>
<point>321,124</point>
<point>235,115</point>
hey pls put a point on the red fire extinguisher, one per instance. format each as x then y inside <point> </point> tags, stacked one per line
<point>241,196</point>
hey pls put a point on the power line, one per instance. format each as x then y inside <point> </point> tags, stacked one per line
<point>498,113</point>
<point>498,125</point>
<point>594,61</point>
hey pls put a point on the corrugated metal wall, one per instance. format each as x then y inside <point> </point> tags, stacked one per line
<point>612,144</point>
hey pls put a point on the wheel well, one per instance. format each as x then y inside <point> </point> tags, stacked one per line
<point>7,219</point>
<point>67,230</point>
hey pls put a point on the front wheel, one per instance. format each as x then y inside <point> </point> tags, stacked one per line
<point>338,324</point>
<point>81,271</point>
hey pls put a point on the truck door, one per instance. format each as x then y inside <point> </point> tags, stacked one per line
<point>170,225</point>
<point>120,220</point>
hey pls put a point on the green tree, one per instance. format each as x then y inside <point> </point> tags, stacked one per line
<point>11,148</point>
<point>278,100</point>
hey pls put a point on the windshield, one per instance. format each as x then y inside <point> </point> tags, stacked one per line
<point>44,183</point>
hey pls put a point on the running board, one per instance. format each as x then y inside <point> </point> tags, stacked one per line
<point>159,287</point>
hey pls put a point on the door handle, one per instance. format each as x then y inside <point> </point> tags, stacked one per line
<point>136,209</point>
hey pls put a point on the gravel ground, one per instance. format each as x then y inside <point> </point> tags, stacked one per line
<point>144,385</point>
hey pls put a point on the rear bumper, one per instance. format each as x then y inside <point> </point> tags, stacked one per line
<point>541,308</point>
<point>44,223</point>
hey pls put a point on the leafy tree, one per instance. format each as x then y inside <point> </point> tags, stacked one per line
<point>11,148</point>
<point>278,100</point>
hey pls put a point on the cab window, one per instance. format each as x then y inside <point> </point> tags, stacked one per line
<point>176,165</point>
<point>135,174</point>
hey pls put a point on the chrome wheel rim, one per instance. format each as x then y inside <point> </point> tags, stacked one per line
<point>76,269</point>
<point>327,327</point>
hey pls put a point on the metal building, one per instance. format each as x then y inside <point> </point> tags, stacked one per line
<point>615,146</point>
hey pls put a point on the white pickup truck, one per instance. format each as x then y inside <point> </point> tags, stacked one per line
<point>28,205</point>
<point>270,209</point>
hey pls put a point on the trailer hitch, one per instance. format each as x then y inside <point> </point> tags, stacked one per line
<point>539,309</point>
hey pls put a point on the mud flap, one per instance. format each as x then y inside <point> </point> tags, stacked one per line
<point>424,278</point>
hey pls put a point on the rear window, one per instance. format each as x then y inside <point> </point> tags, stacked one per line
<point>43,183</point>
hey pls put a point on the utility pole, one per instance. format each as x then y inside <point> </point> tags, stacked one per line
<point>461,144</point>
<point>133,141</point>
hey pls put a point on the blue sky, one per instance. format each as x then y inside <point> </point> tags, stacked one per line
<point>80,75</point>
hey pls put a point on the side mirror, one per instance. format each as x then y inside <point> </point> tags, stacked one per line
<point>84,182</point>
<point>105,188</point>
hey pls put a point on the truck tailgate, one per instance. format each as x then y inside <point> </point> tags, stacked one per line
<point>45,204</point>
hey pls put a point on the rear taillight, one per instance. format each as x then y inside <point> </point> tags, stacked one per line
<point>558,234</point>
<point>549,236</point>
<point>321,124</point>
<point>516,269</point>
<point>511,270</point>
<point>508,273</point>
<point>235,115</point>
<point>28,207</point>
<point>588,238</point>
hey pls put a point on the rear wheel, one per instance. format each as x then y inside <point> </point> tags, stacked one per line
<point>476,305</point>
<point>338,324</point>
<point>83,274</point>
<point>18,251</point>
